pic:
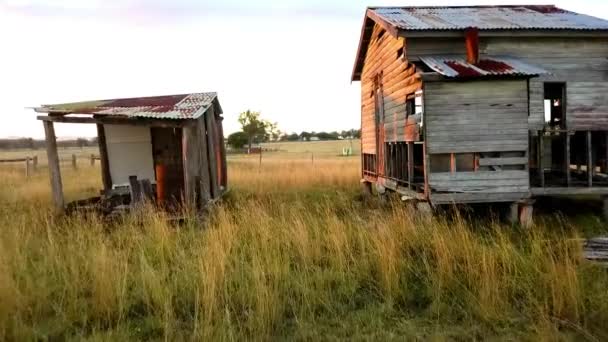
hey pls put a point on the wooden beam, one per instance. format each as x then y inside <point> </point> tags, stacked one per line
<point>203,163</point>
<point>115,120</point>
<point>567,158</point>
<point>589,148</point>
<point>606,152</point>
<point>106,177</point>
<point>410,165</point>
<point>190,164</point>
<point>223,153</point>
<point>541,150</point>
<point>551,191</point>
<point>54,170</point>
<point>211,141</point>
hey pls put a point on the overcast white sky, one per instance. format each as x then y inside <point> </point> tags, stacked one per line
<point>289,59</point>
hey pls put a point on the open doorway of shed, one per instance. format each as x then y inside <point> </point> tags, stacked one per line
<point>555,101</point>
<point>167,151</point>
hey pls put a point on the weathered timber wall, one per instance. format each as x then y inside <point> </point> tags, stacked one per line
<point>580,62</point>
<point>478,117</point>
<point>385,54</point>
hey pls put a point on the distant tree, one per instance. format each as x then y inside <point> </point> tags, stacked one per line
<point>237,140</point>
<point>82,142</point>
<point>257,129</point>
<point>305,136</point>
<point>293,137</point>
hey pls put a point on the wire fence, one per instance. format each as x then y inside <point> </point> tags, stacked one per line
<point>31,164</point>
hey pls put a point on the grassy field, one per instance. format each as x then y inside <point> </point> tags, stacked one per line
<point>293,252</point>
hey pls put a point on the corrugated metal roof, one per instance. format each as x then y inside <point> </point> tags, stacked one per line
<point>525,17</point>
<point>457,66</point>
<point>184,106</point>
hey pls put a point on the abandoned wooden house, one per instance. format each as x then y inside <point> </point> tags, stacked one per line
<point>484,104</point>
<point>169,149</point>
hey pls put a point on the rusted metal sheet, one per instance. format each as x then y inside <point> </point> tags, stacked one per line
<point>458,67</point>
<point>524,17</point>
<point>184,106</point>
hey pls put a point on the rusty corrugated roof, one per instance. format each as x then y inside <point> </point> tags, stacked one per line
<point>184,106</point>
<point>524,17</point>
<point>457,67</point>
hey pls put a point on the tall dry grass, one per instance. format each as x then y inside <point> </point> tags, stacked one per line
<point>292,252</point>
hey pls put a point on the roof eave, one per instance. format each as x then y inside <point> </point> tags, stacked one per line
<point>558,33</point>
<point>370,17</point>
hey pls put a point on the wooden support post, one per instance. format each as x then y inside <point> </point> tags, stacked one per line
<point>410,165</point>
<point>541,150</point>
<point>222,143</point>
<point>567,158</point>
<point>589,160</point>
<point>103,158</point>
<point>605,207</point>
<point>54,170</point>
<point>452,163</point>
<point>74,164</point>
<point>526,214</point>
<point>203,162</point>
<point>606,152</point>
<point>35,163</point>
<point>190,165</point>
<point>135,190</point>
<point>260,161</point>
<point>92,159</point>
<point>513,215</point>
<point>211,142</point>
<point>366,188</point>
<point>27,167</point>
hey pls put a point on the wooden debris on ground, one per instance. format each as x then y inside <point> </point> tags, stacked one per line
<point>596,249</point>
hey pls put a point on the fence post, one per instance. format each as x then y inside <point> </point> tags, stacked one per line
<point>312,158</point>
<point>92,159</point>
<point>35,163</point>
<point>27,167</point>
<point>260,166</point>
<point>74,166</point>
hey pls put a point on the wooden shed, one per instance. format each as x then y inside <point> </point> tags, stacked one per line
<point>172,145</point>
<point>481,104</point>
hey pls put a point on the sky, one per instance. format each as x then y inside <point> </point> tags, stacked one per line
<point>291,59</point>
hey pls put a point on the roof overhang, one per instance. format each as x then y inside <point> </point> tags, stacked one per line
<point>372,18</point>
<point>457,67</point>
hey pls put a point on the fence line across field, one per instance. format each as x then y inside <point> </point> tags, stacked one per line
<point>31,163</point>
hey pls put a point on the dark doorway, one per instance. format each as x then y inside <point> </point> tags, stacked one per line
<point>167,151</point>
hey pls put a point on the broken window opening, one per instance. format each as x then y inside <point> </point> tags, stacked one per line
<point>554,104</point>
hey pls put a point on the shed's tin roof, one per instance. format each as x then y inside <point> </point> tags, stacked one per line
<point>184,106</point>
<point>524,17</point>
<point>457,67</point>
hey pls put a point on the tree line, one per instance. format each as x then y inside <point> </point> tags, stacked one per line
<point>34,144</point>
<point>255,130</point>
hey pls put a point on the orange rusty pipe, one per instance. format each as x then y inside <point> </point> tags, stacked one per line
<point>471,36</point>
<point>161,172</point>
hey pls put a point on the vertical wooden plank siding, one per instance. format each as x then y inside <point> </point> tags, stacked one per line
<point>103,158</point>
<point>222,143</point>
<point>579,62</point>
<point>54,170</point>
<point>410,164</point>
<point>190,164</point>
<point>489,116</point>
<point>205,185</point>
<point>212,159</point>
<point>385,55</point>
<point>541,152</point>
